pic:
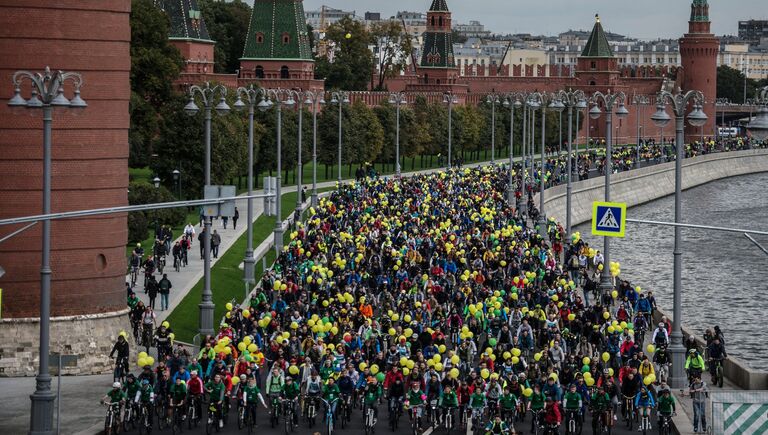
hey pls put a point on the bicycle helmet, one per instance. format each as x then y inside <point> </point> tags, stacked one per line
<point>116,385</point>
<point>691,351</point>
<point>145,382</point>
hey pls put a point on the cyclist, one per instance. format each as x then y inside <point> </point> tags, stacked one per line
<point>195,391</point>
<point>666,404</point>
<point>643,306</point>
<point>131,387</point>
<point>601,408</point>
<point>716,354</point>
<point>694,364</point>
<point>536,403</point>
<point>291,394</point>
<point>660,336</point>
<point>371,396</point>
<point>415,399</point>
<point>147,374</point>
<point>123,352</point>
<point>572,402</point>
<point>162,341</point>
<point>508,403</point>
<point>144,398</point>
<point>314,388</point>
<point>115,395</point>
<point>644,402</point>
<point>497,426</point>
<point>433,389</point>
<point>251,393</point>
<point>448,400</point>
<point>346,388</point>
<point>493,392</point>
<point>216,390</point>
<point>178,398</point>
<point>552,416</point>
<point>477,401</point>
<point>331,395</point>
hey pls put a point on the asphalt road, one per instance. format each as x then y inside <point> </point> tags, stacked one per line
<point>356,426</point>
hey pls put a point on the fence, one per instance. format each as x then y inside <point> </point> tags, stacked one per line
<point>739,412</point>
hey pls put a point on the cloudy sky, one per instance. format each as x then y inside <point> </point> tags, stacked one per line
<point>646,19</point>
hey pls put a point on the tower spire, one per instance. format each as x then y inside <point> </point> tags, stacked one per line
<point>699,22</point>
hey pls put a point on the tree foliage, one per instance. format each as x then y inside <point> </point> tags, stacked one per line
<point>350,64</point>
<point>155,64</point>
<point>227,24</point>
<point>140,222</point>
<point>393,49</point>
<point>730,85</point>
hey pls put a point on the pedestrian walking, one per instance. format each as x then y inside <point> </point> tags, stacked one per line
<point>152,290</point>
<point>201,239</point>
<point>164,287</point>
<point>224,220</point>
<point>215,242</point>
<point>699,394</point>
<point>235,218</point>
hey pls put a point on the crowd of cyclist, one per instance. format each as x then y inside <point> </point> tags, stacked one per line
<point>433,297</point>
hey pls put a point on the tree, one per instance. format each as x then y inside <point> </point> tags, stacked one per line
<point>155,64</point>
<point>730,85</point>
<point>393,50</point>
<point>141,221</point>
<point>227,24</point>
<point>364,136</point>
<point>350,62</point>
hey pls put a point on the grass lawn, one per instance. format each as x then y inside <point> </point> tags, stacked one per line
<point>226,275</point>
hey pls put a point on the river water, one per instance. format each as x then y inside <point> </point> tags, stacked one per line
<point>725,276</point>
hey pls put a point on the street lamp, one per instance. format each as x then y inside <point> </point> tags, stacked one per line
<point>340,98</point>
<point>208,94</point>
<point>532,103</point>
<point>450,99</point>
<point>314,98</point>
<point>493,100</point>
<point>609,100</point>
<point>397,98</point>
<point>299,101</point>
<point>177,180</point>
<point>156,182</point>
<point>558,106</point>
<point>571,100</point>
<point>641,101</point>
<point>47,94</point>
<point>696,118</point>
<point>512,102</point>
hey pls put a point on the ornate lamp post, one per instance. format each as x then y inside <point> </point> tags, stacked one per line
<point>696,118</point>
<point>341,98</point>
<point>640,101</point>
<point>397,98</point>
<point>177,180</point>
<point>450,99</point>
<point>512,102</point>
<point>609,100</point>
<point>571,100</point>
<point>209,95</point>
<point>47,94</point>
<point>493,100</point>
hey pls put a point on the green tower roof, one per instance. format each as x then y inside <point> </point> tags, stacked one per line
<point>186,19</point>
<point>277,31</point>
<point>439,6</point>
<point>700,11</point>
<point>438,51</point>
<point>597,44</point>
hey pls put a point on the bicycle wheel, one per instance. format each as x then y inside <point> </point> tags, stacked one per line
<point>108,424</point>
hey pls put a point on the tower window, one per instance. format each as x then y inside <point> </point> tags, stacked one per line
<point>259,71</point>
<point>440,21</point>
<point>285,72</point>
<point>286,38</point>
<point>593,65</point>
<point>259,38</point>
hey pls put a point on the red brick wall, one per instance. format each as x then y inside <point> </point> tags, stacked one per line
<point>90,154</point>
<point>698,54</point>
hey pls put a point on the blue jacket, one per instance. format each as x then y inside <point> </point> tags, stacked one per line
<point>643,306</point>
<point>643,402</point>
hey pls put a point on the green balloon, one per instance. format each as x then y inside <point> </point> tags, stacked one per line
<point>492,342</point>
<point>380,376</point>
<point>585,368</point>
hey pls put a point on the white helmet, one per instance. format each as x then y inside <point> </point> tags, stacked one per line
<point>116,385</point>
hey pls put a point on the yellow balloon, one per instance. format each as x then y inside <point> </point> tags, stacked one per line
<point>439,367</point>
<point>606,356</point>
<point>589,381</point>
<point>537,356</point>
<point>362,366</point>
<point>374,369</point>
<point>455,359</point>
<point>454,373</point>
<point>241,346</point>
<point>651,348</point>
<point>406,371</point>
<point>516,352</point>
<point>586,360</point>
<point>484,373</point>
<point>515,360</point>
<point>142,355</point>
<point>610,372</point>
<point>441,348</point>
<point>149,361</point>
<point>252,348</point>
<point>235,380</point>
<point>246,314</point>
<point>410,364</point>
<point>247,340</point>
<point>293,370</point>
<point>527,392</point>
<point>606,315</point>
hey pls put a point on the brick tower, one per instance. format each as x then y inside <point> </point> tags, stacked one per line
<point>89,170</point>
<point>698,54</point>
<point>277,51</point>
<point>189,35</point>
<point>438,65</point>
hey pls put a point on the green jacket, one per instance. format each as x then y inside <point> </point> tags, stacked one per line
<point>414,397</point>
<point>572,401</point>
<point>178,392</point>
<point>537,401</point>
<point>116,395</point>
<point>251,393</point>
<point>449,400</point>
<point>146,395</point>
<point>331,392</point>
<point>508,401</point>
<point>477,400</point>
<point>215,390</point>
<point>291,391</point>
<point>666,404</point>
<point>696,363</point>
<point>132,302</point>
<point>131,389</point>
<point>372,394</point>
<point>601,402</point>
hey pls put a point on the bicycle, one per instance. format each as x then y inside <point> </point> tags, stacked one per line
<point>645,421</point>
<point>145,418</point>
<point>177,419</point>
<point>448,418</point>
<point>416,419</point>
<point>289,418</point>
<point>572,422</point>
<point>601,421</point>
<point>160,411</point>
<point>213,422</point>
<point>176,263</point>
<point>146,335</point>
<point>717,378</point>
<point>121,370</point>
<point>662,373</point>
<point>274,410</point>
<point>370,420</point>
<point>537,424</point>
<point>665,423</point>
<point>161,264</point>
<point>329,415</point>
<point>311,410</point>
<point>477,420</point>
<point>628,411</point>
<point>134,275</point>
<point>112,420</point>
<point>395,409</point>
<point>345,411</point>
<point>432,414</point>
<point>128,417</point>
<point>193,411</point>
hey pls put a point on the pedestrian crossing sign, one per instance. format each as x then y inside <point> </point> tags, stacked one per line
<point>609,219</point>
